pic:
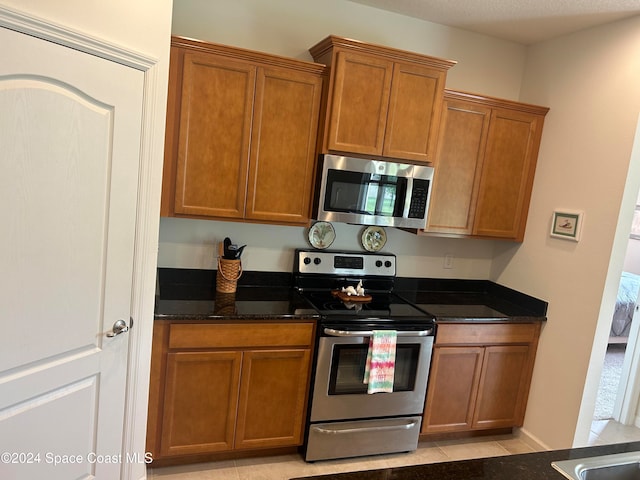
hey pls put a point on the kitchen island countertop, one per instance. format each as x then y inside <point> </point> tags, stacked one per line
<point>527,466</point>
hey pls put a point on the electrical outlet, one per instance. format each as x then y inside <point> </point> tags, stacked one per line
<point>448,261</point>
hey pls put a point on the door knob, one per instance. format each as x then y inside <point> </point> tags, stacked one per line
<point>119,327</point>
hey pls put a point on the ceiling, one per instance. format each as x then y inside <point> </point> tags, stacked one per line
<point>521,21</point>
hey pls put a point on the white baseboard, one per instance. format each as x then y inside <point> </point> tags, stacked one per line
<point>531,440</point>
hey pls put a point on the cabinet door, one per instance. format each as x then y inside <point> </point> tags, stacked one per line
<point>272,398</point>
<point>414,111</point>
<point>215,127</point>
<point>283,145</point>
<point>360,102</point>
<point>503,387</point>
<point>200,402</point>
<point>460,154</point>
<point>452,390</point>
<point>507,174</point>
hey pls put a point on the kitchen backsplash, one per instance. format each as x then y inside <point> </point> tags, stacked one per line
<point>188,243</point>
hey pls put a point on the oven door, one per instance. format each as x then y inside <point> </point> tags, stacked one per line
<point>339,390</point>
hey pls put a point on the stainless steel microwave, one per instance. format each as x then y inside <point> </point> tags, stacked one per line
<point>373,192</point>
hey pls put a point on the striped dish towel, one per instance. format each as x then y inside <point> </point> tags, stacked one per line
<point>381,361</point>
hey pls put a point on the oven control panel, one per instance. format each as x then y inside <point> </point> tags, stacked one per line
<point>346,263</point>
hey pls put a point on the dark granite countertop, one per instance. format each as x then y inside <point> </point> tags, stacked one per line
<point>528,466</point>
<point>246,303</point>
<point>190,294</point>
<point>470,300</point>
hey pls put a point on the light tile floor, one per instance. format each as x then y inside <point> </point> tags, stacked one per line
<point>291,466</point>
<point>604,432</point>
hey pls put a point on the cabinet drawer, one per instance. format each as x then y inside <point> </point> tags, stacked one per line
<point>240,335</point>
<point>486,334</point>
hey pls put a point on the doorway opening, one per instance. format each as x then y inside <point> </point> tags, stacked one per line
<point>609,381</point>
<point>617,397</point>
<point>619,386</point>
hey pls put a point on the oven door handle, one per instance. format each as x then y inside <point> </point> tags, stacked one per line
<point>368,333</point>
<point>339,431</point>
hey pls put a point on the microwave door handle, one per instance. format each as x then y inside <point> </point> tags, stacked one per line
<point>407,198</point>
<point>368,333</point>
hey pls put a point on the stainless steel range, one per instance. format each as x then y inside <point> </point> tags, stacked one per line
<point>345,420</point>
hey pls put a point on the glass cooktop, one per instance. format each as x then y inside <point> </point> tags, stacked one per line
<point>383,305</point>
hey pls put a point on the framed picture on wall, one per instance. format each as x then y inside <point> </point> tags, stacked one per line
<point>566,224</point>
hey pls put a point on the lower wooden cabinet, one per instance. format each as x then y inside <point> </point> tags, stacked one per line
<point>503,388</point>
<point>480,376</point>
<point>226,387</point>
<point>453,389</point>
<point>200,402</point>
<point>272,398</point>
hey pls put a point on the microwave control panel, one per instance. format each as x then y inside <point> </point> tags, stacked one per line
<point>419,195</point>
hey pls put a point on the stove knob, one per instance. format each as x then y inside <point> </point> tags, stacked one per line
<point>387,264</point>
<point>317,261</point>
<point>378,263</point>
<point>307,260</point>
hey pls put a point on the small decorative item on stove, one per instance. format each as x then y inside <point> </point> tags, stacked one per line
<point>229,266</point>
<point>352,294</point>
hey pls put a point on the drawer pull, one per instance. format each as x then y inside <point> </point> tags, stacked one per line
<point>342,431</point>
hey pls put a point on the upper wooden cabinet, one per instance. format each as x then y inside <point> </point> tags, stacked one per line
<point>382,102</point>
<point>241,134</point>
<point>486,160</point>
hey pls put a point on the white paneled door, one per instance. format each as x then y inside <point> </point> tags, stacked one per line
<point>70,126</point>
